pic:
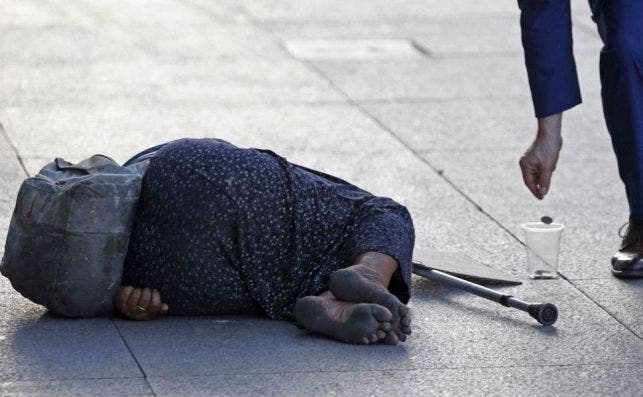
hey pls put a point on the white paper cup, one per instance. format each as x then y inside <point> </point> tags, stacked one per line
<point>543,245</point>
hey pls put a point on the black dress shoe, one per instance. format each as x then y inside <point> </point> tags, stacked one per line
<point>628,261</point>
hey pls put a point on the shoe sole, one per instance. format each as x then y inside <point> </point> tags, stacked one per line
<point>628,273</point>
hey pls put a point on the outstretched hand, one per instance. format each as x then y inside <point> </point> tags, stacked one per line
<point>140,303</point>
<point>539,161</point>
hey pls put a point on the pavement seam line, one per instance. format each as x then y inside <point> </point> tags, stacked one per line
<point>602,307</point>
<point>314,371</point>
<point>138,364</point>
<point>73,379</point>
<point>406,369</point>
<point>14,149</point>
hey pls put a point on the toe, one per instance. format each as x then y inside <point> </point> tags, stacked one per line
<point>381,334</point>
<point>365,341</point>
<point>401,336</point>
<point>405,321</point>
<point>385,326</point>
<point>373,338</point>
<point>391,339</point>
<point>406,329</point>
<point>404,310</point>
<point>381,313</point>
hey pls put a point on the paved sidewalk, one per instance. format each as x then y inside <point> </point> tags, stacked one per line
<point>439,125</point>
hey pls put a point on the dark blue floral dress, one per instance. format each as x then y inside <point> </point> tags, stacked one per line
<point>225,230</point>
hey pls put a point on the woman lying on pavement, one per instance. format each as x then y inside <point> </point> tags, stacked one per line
<point>225,230</point>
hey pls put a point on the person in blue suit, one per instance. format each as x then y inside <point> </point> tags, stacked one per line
<point>547,42</point>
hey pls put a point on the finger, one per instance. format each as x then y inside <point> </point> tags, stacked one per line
<point>544,181</point>
<point>121,299</point>
<point>155,306</point>
<point>529,177</point>
<point>145,299</point>
<point>132,301</point>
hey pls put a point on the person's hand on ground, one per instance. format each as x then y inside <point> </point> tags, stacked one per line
<point>539,161</point>
<point>140,303</point>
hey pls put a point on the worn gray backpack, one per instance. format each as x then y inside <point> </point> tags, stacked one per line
<point>69,234</point>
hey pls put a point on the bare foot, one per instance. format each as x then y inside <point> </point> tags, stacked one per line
<point>360,283</point>
<point>359,323</point>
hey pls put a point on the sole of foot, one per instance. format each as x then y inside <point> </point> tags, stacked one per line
<point>357,323</point>
<point>360,283</point>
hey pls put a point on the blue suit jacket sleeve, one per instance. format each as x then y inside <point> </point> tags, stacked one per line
<point>547,40</point>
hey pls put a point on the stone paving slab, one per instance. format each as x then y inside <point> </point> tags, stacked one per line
<point>179,85</point>
<point>440,78</point>
<point>621,298</point>
<point>150,12</point>
<point>122,131</point>
<point>472,78</point>
<point>438,125</point>
<point>501,336</point>
<point>495,125</point>
<point>38,346</point>
<point>75,43</point>
<point>590,380</point>
<point>78,387</point>
<point>443,337</point>
<point>442,37</point>
<point>25,13</point>
<point>62,44</point>
<point>372,49</point>
<point>371,9</point>
<point>184,34</point>
<point>36,86</point>
<point>184,42</point>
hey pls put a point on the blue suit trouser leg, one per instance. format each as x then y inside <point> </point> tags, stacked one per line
<point>620,24</point>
